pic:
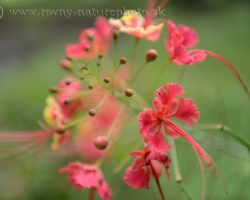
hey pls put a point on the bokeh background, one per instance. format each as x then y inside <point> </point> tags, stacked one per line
<point>32,46</point>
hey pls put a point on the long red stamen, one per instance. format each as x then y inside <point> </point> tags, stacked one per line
<point>226,62</point>
<point>28,144</point>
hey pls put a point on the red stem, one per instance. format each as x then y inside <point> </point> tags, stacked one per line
<point>91,193</point>
<point>157,181</point>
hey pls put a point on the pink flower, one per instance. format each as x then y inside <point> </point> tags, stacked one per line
<point>133,23</point>
<point>180,38</point>
<point>166,106</point>
<point>93,41</point>
<point>69,89</point>
<point>147,163</point>
<point>82,176</point>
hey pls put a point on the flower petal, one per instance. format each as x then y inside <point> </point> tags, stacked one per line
<point>148,123</point>
<point>187,111</point>
<point>172,90</point>
<point>190,36</point>
<point>104,191</point>
<point>157,143</point>
<point>137,179</point>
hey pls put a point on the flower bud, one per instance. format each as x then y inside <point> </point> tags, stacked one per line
<point>92,112</point>
<point>101,142</point>
<point>90,87</point>
<point>67,102</point>
<point>116,33</point>
<point>53,89</point>
<point>86,49</point>
<point>59,129</point>
<point>65,64</point>
<point>90,38</point>
<point>151,55</point>
<point>123,60</point>
<point>106,79</point>
<point>129,92</point>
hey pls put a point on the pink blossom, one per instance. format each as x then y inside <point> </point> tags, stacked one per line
<point>147,163</point>
<point>180,38</point>
<point>166,106</point>
<point>69,89</point>
<point>133,23</point>
<point>84,176</point>
<point>93,41</point>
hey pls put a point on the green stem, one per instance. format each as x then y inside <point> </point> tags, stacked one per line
<point>134,54</point>
<point>228,130</point>
<point>177,173</point>
<point>174,159</point>
<point>138,72</point>
<point>158,76</point>
<point>186,191</point>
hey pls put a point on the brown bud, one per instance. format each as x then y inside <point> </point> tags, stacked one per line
<point>106,79</point>
<point>123,60</point>
<point>129,92</point>
<point>151,55</point>
<point>53,89</point>
<point>92,112</point>
<point>116,33</point>
<point>60,129</point>
<point>65,64</point>
<point>101,142</point>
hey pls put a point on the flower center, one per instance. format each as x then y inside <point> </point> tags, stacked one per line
<point>163,111</point>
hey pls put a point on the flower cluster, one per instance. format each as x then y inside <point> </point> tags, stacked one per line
<point>89,109</point>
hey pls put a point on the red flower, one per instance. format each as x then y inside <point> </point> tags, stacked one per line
<point>146,163</point>
<point>83,176</point>
<point>180,38</point>
<point>167,106</point>
<point>93,41</point>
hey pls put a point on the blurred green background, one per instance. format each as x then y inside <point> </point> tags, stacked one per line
<point>32,46</point>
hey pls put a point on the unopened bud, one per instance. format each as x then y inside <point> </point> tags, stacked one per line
<point>100,56</point>
<point>151,55</point>
<point>129,92</point>
<point>86,49</point>
<point>65,64</point>
<point>68,82</point>
<point>90,87</point>
<point>123,60</point>
<point>90,38</point>
<point>53,89</point>
<point>98,63</point>
<point>92,112</point>
<point>67,102</point>
<point>101,142</point>
<point>116,33</point>
<point>59,129</point>
<point>106,79</point>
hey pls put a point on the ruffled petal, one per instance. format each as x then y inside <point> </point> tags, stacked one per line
<point>148,123</point>
<point>157,143</point>
<point>137,179</point>
<point>169,92</point>
<point>187,111</point>
<point>104,191</point>
<point>190,36</point>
